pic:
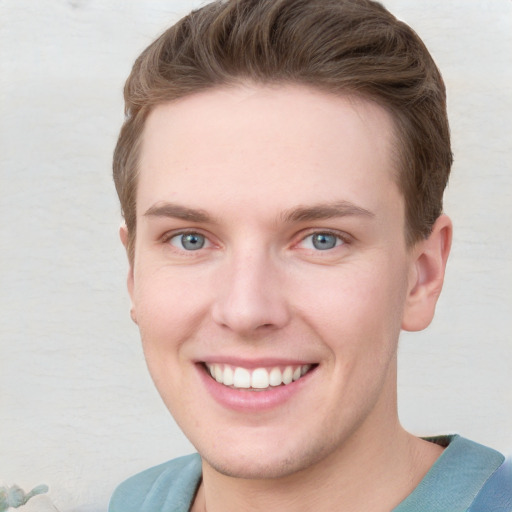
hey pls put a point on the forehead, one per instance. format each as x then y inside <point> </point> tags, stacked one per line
<point>270,146</point>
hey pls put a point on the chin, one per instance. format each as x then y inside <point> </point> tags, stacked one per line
<point>264,465</point>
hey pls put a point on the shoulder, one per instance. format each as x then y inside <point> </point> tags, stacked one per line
<point>168,487</point>
<point>496,493</point>
<point>467,477</point>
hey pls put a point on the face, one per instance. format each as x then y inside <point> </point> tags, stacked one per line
<point>270,273</point>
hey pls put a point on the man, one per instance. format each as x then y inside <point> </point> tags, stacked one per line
<point>281,172</point>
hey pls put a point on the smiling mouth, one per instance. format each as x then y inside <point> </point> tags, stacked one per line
<point>258,379</point>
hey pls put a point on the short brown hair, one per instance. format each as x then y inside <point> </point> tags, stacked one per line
<point>353,47</point>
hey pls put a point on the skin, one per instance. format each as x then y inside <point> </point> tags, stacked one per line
<point>256,175</point>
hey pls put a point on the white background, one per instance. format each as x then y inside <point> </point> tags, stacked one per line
<point>78,410</point>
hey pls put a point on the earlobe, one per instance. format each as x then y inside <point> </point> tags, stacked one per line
<point>133,315</point>
<point>123,235</point>
<point>427,276</point>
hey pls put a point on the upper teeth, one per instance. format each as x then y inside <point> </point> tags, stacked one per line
<point>259,378</point>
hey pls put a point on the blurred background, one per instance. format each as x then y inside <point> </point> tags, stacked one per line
<point>78,411</point>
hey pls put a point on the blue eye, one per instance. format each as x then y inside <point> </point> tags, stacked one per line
<point>322,241</point>
<point>189,241</point>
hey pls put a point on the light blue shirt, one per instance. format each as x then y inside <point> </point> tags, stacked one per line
<point>451,485</point>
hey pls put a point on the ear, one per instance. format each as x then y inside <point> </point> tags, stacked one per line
<point>426,278</point>
<point>123,235</point>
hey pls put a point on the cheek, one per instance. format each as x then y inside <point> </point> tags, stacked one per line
<point>359,301</point>
<point>168,296</point>
<point>167,316</point>
<point>169,310</point>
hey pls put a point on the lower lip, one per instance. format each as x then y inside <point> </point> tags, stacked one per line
<point>247,400</point>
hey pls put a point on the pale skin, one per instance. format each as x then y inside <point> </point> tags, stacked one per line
<point>258,176</point>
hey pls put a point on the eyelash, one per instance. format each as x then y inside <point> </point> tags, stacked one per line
<point>341,240</point>
<point>170,236</point>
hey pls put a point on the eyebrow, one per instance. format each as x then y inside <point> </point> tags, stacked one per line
<point>325,211</point>
<point>298,214</point>
<point>176,211</point>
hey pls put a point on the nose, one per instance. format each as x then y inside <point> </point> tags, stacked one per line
<point>250,296</point>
